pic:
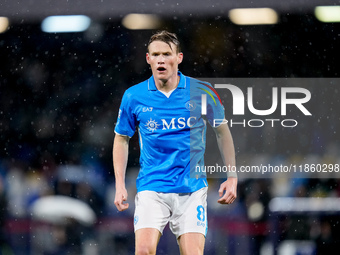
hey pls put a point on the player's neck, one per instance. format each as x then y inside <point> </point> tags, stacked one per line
<point>167,85</point>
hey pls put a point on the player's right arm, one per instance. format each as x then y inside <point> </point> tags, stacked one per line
<point>120,157</point>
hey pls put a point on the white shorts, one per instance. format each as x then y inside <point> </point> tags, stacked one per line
<point>185,212</point>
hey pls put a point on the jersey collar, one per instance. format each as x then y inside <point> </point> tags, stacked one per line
<point>181,84</point>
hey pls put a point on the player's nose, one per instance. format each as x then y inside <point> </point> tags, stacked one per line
<point>161,59</point>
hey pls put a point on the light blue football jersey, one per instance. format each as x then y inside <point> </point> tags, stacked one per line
<point>171,132</point>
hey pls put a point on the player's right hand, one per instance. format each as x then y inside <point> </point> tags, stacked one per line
<point>120,198</point>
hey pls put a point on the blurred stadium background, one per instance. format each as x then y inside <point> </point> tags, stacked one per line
<point>60,93</point>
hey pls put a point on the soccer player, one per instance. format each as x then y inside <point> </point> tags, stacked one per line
<point>166,111</point>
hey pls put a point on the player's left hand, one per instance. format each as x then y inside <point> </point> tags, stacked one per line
<point>229,188</point>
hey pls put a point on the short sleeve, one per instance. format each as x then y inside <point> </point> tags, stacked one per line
<point>126,121</point>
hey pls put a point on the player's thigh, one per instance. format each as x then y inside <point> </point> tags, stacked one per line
<point>190,216</point>
<point>151,211</point>
<point>147,240</point>
<point>191,244</point>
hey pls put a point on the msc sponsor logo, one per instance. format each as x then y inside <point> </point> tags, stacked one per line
<point>174,123</point>
<point>152,125</point>
<point>178,123</point>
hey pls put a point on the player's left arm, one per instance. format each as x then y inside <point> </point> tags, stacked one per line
<point>228,189</point>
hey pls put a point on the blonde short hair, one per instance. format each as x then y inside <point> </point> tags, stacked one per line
<point>167,37</point>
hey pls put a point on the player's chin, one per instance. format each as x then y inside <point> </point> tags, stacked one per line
<point>162,76</point>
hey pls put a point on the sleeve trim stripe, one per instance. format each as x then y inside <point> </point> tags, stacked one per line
<point>209,94</point>
<point>212,90</point>
<point>121,134</point>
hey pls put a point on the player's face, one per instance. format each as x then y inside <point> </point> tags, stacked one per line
<point>163,60</point>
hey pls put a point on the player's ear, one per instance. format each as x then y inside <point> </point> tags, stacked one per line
<point>147,58</point>
<point>179,57</point>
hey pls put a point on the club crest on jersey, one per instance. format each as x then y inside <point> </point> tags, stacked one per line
<point>190,105</point>
<point>152,125</point>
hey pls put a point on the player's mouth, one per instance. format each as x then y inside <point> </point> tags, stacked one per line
<point>161,69</point>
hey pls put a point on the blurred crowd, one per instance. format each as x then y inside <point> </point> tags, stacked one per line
<point>60,94</point>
